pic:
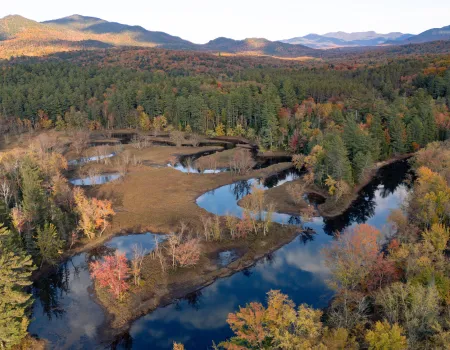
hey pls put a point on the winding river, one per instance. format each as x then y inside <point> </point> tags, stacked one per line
<point>66,315</point>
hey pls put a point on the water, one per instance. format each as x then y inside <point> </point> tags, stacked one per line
<point>193,170</point>
<point>297,269</point>
<point>224,200</point>
<point>95,180</point>
<point>65,314</point>
<point>90,159</point>
<point>227,257</point>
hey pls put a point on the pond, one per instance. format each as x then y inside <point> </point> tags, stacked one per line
<point>64,313</point>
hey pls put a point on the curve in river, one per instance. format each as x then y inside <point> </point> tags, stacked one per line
<point>65,314</point>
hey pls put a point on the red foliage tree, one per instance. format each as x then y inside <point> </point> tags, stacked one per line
<point>112,273</point>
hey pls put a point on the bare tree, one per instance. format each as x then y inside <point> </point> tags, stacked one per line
<point>242,162</point>
<point>195,139</point>
<point>177,137</point>
<point>136,263</point>
<point>296,192</point>
<point>174,242</point>
<point>6,191</point>
<point>231,223</point>
<point>206,223</point>
<point>80,141</point>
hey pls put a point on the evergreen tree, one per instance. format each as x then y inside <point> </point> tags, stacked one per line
<point>289,97</point>
<point>49,243</point>
<point>337,164</point>
<point>15,272</point>
<point>397,134</point>
<point>415,133</point>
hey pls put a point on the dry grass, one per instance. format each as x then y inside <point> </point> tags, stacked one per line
<point>221,159</point>
<point>157,199</point>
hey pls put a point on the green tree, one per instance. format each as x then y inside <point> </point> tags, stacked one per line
<point>337,164</point>
<point>397,134</point>
<point>49,243</point>
<point>15,272</point>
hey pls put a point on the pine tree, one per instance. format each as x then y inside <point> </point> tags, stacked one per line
<point>415,134</point>
<point>15,271</point>
<point>49,243</point>
<point>397,134</point>
<point>289,97</point>
<point>337,164</point>
<point>33,195</point>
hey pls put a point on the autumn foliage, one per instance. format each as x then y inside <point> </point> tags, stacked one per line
<point>94,213</point>
<point>112,273</point>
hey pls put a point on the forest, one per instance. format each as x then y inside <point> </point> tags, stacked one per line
<point>337,120</point>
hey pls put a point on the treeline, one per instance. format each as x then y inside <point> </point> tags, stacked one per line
<point>343,120</point>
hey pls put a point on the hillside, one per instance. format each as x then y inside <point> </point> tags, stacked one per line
<point>430,35</point>
<point>22,36</point>
<point>343,39</point>
<point>258,46</point>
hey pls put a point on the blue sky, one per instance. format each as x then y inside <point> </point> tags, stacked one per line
<point>203,20</point>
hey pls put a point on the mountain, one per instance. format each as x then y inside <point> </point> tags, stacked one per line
<point>429,35</point>
<point>362,35</point>
<point>343,39</point>
<point>22,36</point>
<point>118,33</point>
<point>316,41</point>
<point>257,46</point>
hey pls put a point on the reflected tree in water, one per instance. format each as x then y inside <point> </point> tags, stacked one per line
<point>386,183</point>
<point>193,299</point>
<point>123,341</point>
<point>51,289</point>
<point>241,189</point>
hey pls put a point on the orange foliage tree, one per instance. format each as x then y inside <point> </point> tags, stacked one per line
<point>352,257</point>
<point>94,213</point>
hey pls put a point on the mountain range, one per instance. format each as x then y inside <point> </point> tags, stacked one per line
<point>22,36</point>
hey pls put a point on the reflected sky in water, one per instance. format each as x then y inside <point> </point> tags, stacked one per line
<point>297,269</point>
<point>95,180</point>
<point>66,316</point>
<point>90,159</point>
<point>64,313</point>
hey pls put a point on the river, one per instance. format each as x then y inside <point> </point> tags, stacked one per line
<point>65,314</point>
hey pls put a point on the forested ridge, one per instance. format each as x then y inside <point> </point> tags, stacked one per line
<point>389,108</point>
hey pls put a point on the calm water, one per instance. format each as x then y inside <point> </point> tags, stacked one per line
<point>65,314</point>
<point>95,180</point>
<point>90,159</point>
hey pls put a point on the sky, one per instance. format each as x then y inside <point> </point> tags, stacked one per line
<point>202,20</point>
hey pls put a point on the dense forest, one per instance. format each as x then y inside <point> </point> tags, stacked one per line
<point>363,115</point>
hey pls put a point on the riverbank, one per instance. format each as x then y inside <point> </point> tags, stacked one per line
<point>330,208</point>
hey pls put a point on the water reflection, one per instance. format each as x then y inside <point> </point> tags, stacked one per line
<point>90,159</point>
<point>389,180</point>
<point>296,269</point>
<point>95,180</point>
<point>64,312</point>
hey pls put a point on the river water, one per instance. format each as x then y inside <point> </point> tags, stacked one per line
<point>65,314</point>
